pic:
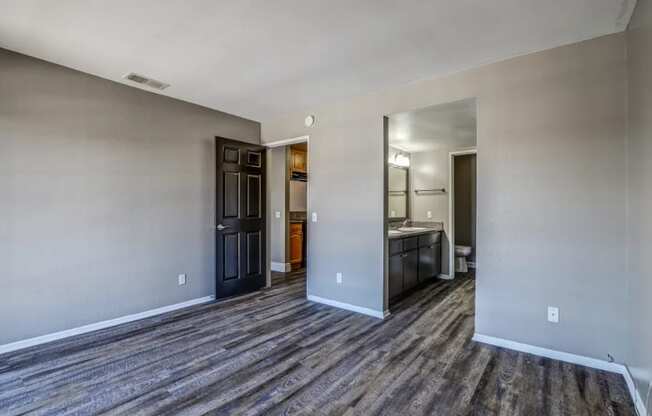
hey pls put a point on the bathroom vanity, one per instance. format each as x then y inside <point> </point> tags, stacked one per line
<point>414,259</point>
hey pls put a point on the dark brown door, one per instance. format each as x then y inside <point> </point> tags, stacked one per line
<point>240,218</point>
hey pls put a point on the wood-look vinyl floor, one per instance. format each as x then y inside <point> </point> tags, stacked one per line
<point>273,353</point>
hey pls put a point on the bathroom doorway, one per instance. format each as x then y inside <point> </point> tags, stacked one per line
<point>462,211</point>
<point>422,146</point>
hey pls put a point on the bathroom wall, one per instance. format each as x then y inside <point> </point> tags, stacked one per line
<point>639,224</point>
<point>551,193</point>
<point>429,170</point>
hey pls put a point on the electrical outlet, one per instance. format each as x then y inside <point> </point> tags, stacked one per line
<point>314,217</point>
<point>182,279</point>
<point>553,314</point>
<point>277,214</point>
<point>392,214</point>
<point>338,278</point>
<point>429,214</point>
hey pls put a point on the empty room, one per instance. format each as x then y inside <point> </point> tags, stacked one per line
<point>421,207</point>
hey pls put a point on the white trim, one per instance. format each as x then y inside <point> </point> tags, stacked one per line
<point>639,403</point>
<point>281,267</point>
<point>99,325</point>
<point>451,206</point>
<point>285,142</point>
<point>349,307</point>
<point>553,354</point>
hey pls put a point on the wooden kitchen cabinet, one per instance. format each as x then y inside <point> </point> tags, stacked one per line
<point>299,161</point>
<point>296,245</point>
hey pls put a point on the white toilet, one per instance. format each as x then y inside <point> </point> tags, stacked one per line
<point>461,253</point>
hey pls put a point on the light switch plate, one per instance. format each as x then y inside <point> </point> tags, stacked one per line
<point>277,214</point>
<point>314,217</point>
<point>338,278</point>
<point>182,279</point>
<point>553,314</point>
<point>429,214</point>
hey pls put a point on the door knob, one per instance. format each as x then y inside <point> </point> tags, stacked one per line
<point>221,227</point>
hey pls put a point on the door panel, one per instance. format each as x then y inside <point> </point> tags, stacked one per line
<point>240,218</point>
<point>253,253</point>
<point>231,192</point>
<point>231,247</point>
<point>253,196</point>
<point>410,267</point>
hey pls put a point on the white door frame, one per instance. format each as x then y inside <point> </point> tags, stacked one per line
<point>270,214</point>
<point>451,205</point>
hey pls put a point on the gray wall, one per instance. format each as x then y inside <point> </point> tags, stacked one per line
<point>551,193</point>
<point>639,242</point>
<point>277,180</point>
<point>107,194</point>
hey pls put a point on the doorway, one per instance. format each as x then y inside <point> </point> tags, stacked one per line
<point>462,211</point>
<point>289,180</point>
<point>419,196</point>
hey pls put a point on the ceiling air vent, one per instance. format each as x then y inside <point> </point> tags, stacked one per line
<point>157,85</point>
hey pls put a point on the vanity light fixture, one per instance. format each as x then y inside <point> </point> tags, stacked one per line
<point>401,160</point>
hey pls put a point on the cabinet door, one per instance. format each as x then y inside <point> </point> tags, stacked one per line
<point>299,161</point>
<point>437,253</point>
<point>296,244</point>
<point>395,275</point>
<point>410,268</point>
<point>427,260</point>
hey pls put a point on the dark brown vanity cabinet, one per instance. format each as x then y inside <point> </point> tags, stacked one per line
<point>413,260</point>
<point>429,256</point>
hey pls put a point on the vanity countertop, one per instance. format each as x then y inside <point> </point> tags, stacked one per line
<point>414,230</point>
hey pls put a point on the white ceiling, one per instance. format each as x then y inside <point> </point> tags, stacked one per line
<point>262,58</point>
<point>442,126</point>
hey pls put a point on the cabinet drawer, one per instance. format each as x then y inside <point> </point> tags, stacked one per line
<point>429,239</point>
<point>410,243</point>
<point>395,246</point>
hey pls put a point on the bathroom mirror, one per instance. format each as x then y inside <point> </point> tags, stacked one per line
<point>397,190</point>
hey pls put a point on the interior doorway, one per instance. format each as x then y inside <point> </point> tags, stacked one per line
<point>420,191</point>
<point>289,180</point>
<point>462,211</point>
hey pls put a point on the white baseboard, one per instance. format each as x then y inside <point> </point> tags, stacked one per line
<point>639,403</point>
<point>548,353</point>
<point>349,307</point>
<point>99,325</point>
<point>445,276</point>
<point>281,267</point>
<point>573,359</point>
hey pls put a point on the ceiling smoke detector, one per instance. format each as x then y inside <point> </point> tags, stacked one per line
<point>150,82</point>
